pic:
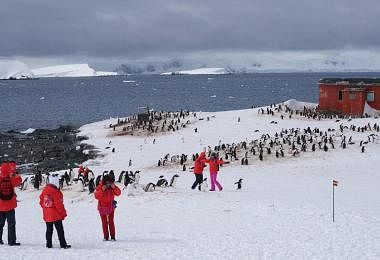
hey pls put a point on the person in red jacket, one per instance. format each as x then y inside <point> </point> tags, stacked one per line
<point>105,194</point>
<point>199,164</point>
<point>54,212</point>
<point>9,179</point>
<point>214,163</point>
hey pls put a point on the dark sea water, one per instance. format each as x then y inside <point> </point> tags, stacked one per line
<point>50,102</point>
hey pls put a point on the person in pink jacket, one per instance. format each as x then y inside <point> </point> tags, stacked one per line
<point>214,163</point>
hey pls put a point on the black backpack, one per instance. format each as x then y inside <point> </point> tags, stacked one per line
<point>6,188</point>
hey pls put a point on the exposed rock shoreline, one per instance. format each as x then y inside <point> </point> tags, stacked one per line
<point>46,149</point>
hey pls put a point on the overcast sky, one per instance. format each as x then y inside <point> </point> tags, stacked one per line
<point>109,29</point>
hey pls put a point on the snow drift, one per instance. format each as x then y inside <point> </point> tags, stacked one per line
<point>70,70</point>
<point>14,69</point>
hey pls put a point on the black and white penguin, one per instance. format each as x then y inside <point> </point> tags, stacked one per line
<point>121,175</point>
<point>91,186</point>
<point>162,182</point>
<point>149,187</point>
<point>239,184</point>
<point>173,180</point>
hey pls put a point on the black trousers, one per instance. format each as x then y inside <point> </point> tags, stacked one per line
<point>11,220</point>
<point>198,181</point>
<point>49,233</point>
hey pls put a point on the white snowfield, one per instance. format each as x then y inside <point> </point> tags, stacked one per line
<point>284,210</point>
<point>70,70</point>
<point>200,71</point>
<point>14,69</point>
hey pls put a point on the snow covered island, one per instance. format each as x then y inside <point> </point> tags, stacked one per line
<point>282,211</point>
<point>200,71</point>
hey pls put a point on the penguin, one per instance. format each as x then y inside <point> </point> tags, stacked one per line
<point>239,184</point>
<point>149,187</point>
<point>120,176</point>
<point>173,180</point>
<point>162,182</point>
<point>91,186</point>
<point>127,180</point>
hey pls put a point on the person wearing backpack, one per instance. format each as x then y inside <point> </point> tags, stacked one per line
<point>9,179</point>
<point>54,212</point>
<point>105,194</point>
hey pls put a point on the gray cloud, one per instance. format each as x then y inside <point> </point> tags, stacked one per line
<point>135,29</point>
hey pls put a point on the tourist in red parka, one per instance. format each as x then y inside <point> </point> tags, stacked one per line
<point>54,212</point>
<point>214,163</point>
<point>105,194</point>
<point>9,179</point>
<point>199,164</point>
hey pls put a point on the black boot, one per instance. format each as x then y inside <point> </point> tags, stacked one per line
<point>66,247</point>
<point>15,244</point>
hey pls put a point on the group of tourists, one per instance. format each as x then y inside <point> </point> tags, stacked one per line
<point>53,209</point>
<point>51,202</point>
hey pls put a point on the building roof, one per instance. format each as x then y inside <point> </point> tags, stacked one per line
<point>350,81</point>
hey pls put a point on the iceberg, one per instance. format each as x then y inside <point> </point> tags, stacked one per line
<point>70,70</point>
<point>14,69</point>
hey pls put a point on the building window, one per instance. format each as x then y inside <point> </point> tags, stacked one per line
<point>370,96</point>
<point>352,96</point>
<point>340,95</point>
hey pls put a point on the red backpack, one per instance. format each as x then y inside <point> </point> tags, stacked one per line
<point>6,188</point>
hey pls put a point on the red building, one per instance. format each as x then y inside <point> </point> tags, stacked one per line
<point>349,96</point>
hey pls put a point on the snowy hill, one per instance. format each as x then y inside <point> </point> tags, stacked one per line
<point>200,71</point>
<point>283,210</point>
<point>13,69</point>
<point>70,70</point>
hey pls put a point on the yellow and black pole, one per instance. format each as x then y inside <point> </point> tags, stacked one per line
<point>334,184</point>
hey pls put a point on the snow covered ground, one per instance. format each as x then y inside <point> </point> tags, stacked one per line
<point>282,212</point>
<point>200,71</point>
<point>70,70</point>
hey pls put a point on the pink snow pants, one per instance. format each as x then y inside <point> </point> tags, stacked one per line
<point>214,181</point>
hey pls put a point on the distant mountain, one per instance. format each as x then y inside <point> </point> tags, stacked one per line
<point>200,71</point>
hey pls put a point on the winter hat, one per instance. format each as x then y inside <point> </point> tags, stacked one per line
<point>106,178</point>
<point>54,180</point>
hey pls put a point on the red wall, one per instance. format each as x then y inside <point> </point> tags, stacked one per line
<point>329,98</point>
<point>354,106</point>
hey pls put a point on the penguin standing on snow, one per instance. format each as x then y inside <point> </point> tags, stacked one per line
<point>173,180</point>
<point>238,183</point>
<point>91,186</point>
